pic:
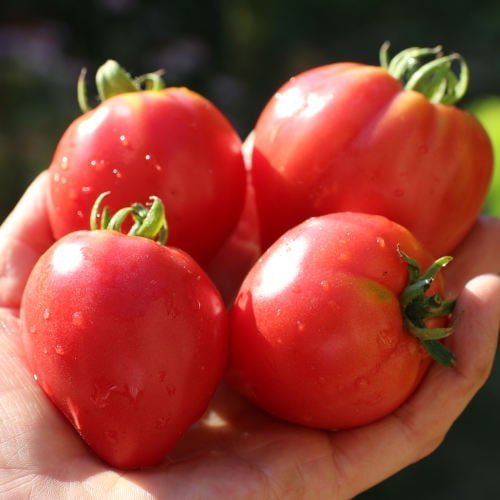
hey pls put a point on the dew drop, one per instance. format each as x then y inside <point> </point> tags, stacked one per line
<point>117,173</point>
<point>385,340</point>
<point>65,163</point>
<point>380,241</point>
<point>33,329</point>
<point>59,349</point>
<point>133,391</point>
<point>125,141</point>
<point>362,383</point>
<point>170,389</point>
<point>111,436</point>
<point>45,350</point>
<point>80,214</point>
<point>325,285</point>
<point>77,319</point>
<point>46,313</point>
<point>56,177</point>
<point>86,189</point>
<point>35,376</point>
<point>147,157</point>
<point>278,311</point>
<point>64,180</point>
<point>300,326</point>
<point>162,422</point>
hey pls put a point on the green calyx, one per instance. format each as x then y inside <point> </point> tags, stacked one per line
<point>111,79</point>
<point>428,71</point>
<point>149,221</point>
<point>417,307</point>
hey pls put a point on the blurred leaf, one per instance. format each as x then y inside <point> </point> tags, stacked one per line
<point>487,110</point>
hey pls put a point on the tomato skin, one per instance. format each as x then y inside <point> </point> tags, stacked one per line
<point>316,330</point>
<point>173,143</point>
<point>348,137</point>
<point>128,339</point>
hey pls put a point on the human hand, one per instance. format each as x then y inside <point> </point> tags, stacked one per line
<point>236,451</point>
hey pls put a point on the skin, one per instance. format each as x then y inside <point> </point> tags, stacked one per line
<point>236,451</point>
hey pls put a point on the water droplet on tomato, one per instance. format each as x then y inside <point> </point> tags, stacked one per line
<point>380,241</point>
<point>111,436</point>
<point>117,173</point>
<point>300,326</point>
<point>33,329</point>
<point>163,421</point>
<point>101,395</point>
<point>45,350</point>
<point>59,349</point>
<point>386,340</point>
<point>35,376</point>
<point>98,164</point>
<point>325,285</point>
<point>56,177</point>
<point>79,213</point>
<point>362,383</point>
<point>133,391</point>
<point>125,141</point>
<point>65,163</point>
<point>77,319</point>
<point>86,189</point>
<point>46,313</point>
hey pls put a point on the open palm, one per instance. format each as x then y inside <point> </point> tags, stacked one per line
<point>235,451</point>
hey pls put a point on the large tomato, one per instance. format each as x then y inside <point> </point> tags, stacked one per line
<point>353,137</point>
<point>330,328</point>
<point>171,141</point>
<point>127,337</point>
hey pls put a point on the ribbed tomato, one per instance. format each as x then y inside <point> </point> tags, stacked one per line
<point>383,140</point>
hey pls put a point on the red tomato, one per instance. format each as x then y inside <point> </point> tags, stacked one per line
<point>351,137</point>
<point>241,250</point>
<point>317,335</point>
<point>173,142</point>
<point>128,338</point>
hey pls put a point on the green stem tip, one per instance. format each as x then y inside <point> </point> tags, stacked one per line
<point>111,79</point>
<point>417,307</point>
<point>149,220</point>
<point>428,71</point>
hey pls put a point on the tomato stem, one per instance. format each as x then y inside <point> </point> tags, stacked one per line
<point>149,221</point>
<point>111,80</point>
<point>417,307</point>
<point>434,78</point>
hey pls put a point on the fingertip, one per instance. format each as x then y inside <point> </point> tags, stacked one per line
<point>477,323</point>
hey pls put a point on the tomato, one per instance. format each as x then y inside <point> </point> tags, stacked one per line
<point>329,329</point>
<point>353,137</point>
<point>241,250</point>
<point>128,339</point>
<point>172,141</point>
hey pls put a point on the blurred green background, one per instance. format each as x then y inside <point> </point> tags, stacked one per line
<point>237,53</point>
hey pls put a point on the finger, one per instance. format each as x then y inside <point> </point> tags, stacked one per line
<point>370,454</point>
<point>478,254</point>
<point>24,236</point>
